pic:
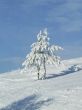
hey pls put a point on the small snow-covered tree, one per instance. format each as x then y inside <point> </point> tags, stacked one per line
<point>42,53</point>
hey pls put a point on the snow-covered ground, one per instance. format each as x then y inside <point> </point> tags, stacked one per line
<point>62,89</point>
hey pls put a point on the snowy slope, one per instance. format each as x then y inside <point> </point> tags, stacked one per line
<point>62,90</point>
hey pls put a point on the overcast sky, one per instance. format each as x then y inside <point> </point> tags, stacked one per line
<point>21,20</point>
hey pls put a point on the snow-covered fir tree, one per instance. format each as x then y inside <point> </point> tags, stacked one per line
<point>42,53</point>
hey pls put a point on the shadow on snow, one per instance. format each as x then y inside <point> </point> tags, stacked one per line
<point>66,72</point>
<point>28,103</point>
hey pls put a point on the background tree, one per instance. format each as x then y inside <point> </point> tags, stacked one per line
<point>42,53</point>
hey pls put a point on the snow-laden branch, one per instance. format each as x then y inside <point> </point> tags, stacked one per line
<point>42,53</point>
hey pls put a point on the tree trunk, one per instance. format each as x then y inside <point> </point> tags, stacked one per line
<point>38,74</point>
<point>44,68</point>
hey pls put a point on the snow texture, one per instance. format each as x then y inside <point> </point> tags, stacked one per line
<point>61,90</point>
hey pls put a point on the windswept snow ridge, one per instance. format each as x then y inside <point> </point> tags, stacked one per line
<point>61,90</point>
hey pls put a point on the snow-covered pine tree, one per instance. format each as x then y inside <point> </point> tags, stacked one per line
<point>42,53</point>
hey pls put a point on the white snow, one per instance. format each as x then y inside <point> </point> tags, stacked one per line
<point>61,90</point>
<point>42,53</point>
